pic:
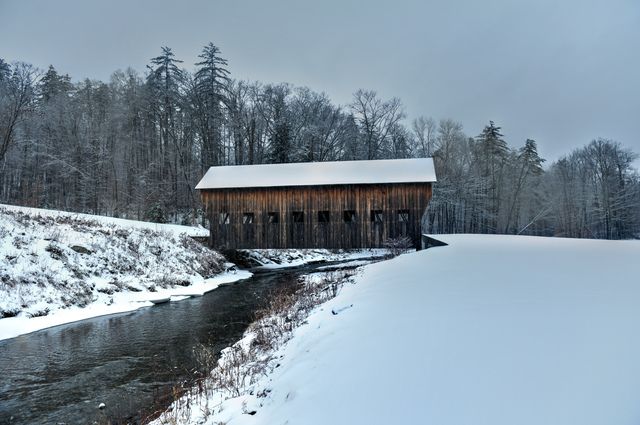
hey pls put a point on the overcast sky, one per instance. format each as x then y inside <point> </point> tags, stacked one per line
<point>561,72</point>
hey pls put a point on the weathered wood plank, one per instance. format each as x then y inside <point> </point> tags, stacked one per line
<point>337,233</point>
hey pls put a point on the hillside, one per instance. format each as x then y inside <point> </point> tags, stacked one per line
<point>58,267</point>
<point>488,330</point>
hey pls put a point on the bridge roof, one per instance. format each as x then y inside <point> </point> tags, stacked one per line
<point>414,170</point>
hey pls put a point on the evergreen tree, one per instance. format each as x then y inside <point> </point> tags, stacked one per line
<point>52,85</point>
<point>491,153</point>
<point>5,71</point>
<point>281,143</point>
<point>210,81</point>
<point>164,83</point>
<point>211,76</point>
<point>491,150</point>
<point>276,112</point>
<point>527,166</point>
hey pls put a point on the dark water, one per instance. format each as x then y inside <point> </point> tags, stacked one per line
<point>61,375</point>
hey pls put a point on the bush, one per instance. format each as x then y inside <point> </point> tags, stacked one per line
<point>155,214</point>
<point>398,246</point>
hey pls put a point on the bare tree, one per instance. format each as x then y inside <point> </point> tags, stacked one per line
<point>17,94</point>
<point>376,119</point>
<point>597,192</point>
<point>424,130</point>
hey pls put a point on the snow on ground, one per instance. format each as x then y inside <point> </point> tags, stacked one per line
<point>58,268</point>
<point>266,259</point>
<point>487,330</point>
<point>174,228</point>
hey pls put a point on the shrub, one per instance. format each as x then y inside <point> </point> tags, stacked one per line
<point>398,246</point>
<point>155,214</point>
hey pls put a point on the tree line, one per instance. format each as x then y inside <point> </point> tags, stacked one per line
<point>136,146</point>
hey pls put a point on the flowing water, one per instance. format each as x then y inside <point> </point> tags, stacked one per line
<point>61,375</point>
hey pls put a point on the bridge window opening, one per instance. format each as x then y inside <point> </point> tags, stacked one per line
<point>247,218</point>
<point>403,215</point>
<point>223,218</point>
<point>376,216</point>
<point>272,217</point>
<point>349,216</point>
<point>297,217</point>
<point>323,216</point>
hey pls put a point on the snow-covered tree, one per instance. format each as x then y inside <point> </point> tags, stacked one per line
<point>490,157</point>
<point>596,192</point>
<point>208,99</point>
<point>17,93</point>
<point>526,170</point>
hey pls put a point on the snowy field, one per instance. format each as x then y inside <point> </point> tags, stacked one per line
<point>488,330</point>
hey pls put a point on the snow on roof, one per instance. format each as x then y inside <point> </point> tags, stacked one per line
<point>414,170</point>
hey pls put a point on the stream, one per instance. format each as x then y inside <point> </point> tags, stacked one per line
<point>61,375</point>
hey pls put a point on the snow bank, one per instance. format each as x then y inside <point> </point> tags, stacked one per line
<point>157,227</point>
<point>488,330</point>
<point>57,268</point>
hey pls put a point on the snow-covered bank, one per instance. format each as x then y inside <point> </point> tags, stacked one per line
<point>11,327</point>
<point>58,267</point>
<point>172,228</point>
<point>488,330</point>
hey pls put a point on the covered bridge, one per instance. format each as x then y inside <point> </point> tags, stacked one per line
<point>347,204</point>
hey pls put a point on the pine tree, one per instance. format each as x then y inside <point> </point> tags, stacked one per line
<point>281,143</point>
<point>528,165</point>
<point>211,76</point>
<point>5,71</point>
<point>491,149</point>
<point>209,96</point>
<point>53,84</point>
<point>491,153</point>
<point>277,114</point>
<point>164,83</point>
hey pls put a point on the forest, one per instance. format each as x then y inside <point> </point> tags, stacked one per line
<point>136,145</point>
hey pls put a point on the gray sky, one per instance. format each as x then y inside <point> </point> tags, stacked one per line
<point>561,72</point>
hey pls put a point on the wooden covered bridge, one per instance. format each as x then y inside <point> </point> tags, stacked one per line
<point>348,204</point>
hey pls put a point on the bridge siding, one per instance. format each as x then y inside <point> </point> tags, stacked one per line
<point>363,233</point>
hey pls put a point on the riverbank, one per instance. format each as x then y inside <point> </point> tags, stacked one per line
<point>59,267</point>
<point>488,330</point>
